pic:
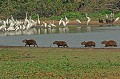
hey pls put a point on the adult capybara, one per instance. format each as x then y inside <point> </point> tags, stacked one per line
<point>30,42</point>
<point>88,44</point>
<point>109,43</point>
<point>60,43</point>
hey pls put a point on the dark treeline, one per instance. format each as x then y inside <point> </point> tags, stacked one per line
<point>48,8</point>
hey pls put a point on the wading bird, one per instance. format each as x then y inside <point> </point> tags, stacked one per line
<point>88,19</point>
<point>38,20</point>
<point>78,20</point>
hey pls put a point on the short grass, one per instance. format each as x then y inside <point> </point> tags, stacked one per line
<point>59,63</point>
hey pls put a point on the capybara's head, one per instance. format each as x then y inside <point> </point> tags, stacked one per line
<point>83,43</point>
<point>103,42</point>
<point>24,41</point>
<point>55,42</point>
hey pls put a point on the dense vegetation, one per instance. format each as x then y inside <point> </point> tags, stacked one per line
<point>54,9</point>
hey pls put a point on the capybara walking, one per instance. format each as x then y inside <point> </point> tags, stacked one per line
<point>109,43</point>
<point>30,42</point>
<point>88,44</point>
<point>60,43</point>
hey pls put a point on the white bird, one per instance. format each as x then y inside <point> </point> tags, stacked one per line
<point>12,18</point>
<point>78,20</point>
<point>26,18</point>
<point>3,27</point>
<point>88,19</point>
<point>52,24</point>
<point>11,28</point>
<point>112,15</point>
<point>45,25</point>
<point>107,16</point>
<point>38,20</point>
<point>17,28</point>
<point>64,23</point>
<point>61,20</point>
<point>67,21</point>
<point>66,18</point>
<point>117,19</point>
<point>7,21</point>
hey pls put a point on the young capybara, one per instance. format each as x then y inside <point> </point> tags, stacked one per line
<point>88,44</point>
<point>30,42</point>
<point>109,43</point>
<point>60,43</point>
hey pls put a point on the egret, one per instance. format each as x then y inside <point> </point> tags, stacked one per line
<point>12,18</point>
<point>66,18</point>
<point>7,21</point>
<point>78,20</point>
<point>117,19</point>
<point>61,20</point>
<point>38,20</point>
<point>11,28</point>
<point>3,27</point>
<point>88,19</point>
<point>26,18</point>
<point>45,25</point>
<point>107,16</point>
<point>112,15</point>
<point>66,22</point>
<point>52,24</point>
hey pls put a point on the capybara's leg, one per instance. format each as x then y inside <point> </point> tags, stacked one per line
<point>66,45</point>
<point>29,45</point>
<point>25,44</point>
<point>85,45</point>
<point>106,45</point>
<point>36,45</point>
<point>115,45</point>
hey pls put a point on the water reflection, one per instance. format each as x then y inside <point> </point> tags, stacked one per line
<point>60,30</point>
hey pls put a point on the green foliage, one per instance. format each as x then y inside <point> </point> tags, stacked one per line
<point>53,9</point>
<point>70,15</point>
<point>103,12</point>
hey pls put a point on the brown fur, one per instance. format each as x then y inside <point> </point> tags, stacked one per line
<point>88,44</point>
<point>30,42</point>
<point>109,43</point>
<point>60,43</point>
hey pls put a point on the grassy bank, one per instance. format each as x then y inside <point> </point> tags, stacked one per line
<point>59,63</point>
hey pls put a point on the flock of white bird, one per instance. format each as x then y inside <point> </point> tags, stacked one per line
<point>14,25</point>
<point>11,24</point>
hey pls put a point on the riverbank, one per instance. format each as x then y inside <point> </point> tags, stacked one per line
<point>59,63</point>
<point>74,22</point>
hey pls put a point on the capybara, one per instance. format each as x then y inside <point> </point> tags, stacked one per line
<point>30,42</point>
<point>60,43</point>
<point>88,44</point>
<point>109,43</point>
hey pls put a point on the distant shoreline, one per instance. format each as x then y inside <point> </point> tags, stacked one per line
<point>74,22</point>
<point>60,47</point>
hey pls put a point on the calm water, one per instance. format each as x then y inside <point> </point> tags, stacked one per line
<point>73,36</point>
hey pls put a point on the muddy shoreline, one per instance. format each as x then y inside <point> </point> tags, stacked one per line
<point>89,48</point>
<point>74,22</point>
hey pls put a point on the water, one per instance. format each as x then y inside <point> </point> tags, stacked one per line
<point>73,36</point>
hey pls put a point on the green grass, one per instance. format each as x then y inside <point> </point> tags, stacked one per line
<point>59,63</point>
